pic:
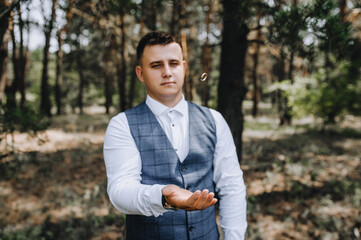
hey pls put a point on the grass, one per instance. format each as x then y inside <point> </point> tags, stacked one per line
<point>302,183</point>
<point>72,228</point>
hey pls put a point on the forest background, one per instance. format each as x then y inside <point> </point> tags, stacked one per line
<point>285,75</point>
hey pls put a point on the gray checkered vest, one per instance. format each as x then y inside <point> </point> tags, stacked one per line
<point>161,165</point>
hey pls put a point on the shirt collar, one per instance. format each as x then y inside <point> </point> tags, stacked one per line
<point>159,108</point>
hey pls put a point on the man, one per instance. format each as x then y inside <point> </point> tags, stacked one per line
<point>166,157</point>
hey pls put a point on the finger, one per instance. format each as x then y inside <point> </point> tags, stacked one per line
<point>214,201</point>
<point>202,198</point>
<point>208,201</point>
<point>193,198</point>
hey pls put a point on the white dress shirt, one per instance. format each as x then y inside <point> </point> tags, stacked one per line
<point>123,167</point>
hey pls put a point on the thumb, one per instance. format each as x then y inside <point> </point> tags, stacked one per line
<point>169,190</point>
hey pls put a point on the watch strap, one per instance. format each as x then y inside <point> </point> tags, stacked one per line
<point>166,205</point>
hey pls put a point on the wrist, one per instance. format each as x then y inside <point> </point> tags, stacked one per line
<point>167,205</point>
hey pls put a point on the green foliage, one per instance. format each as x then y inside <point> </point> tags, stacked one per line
<point>326,94</point>
<point>73,228</point>
<point>332,32</point>
<point>23,234</point>
<point>287,26</point>
<point>10,169</point>
<point>23,120</point>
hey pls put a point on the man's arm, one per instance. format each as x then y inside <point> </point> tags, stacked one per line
<point>123,166</point>
<point>230,186</point>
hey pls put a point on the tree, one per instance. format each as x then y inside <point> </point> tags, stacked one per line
<point>80,67</point>
<point>45,104</point>
<point>20,58</point>
<point>337,89</point>
<point>116,12</point>
<point>286,32</point>
<point>188,81</point>
<point>206,56</point>
<point>122,62</point>
<point>256,95</point>
<point>4,38</point>
<point>12,89</point>
<point>231,88</point>
<point>59,58</point>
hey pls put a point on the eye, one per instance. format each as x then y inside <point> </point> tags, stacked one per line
<point>155,66</point>
<point>174,64</point>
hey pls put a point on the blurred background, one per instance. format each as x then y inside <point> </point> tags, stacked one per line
<point>285,75</point>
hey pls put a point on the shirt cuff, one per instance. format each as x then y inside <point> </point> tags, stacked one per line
<point>155,196</point>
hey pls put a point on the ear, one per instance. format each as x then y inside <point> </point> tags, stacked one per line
<point>184,66</point>
<point>139,72</point>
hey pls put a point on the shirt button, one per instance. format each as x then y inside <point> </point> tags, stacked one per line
<point>172,125</point>
<point>175,149</point>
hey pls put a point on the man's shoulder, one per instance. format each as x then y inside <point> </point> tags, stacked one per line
<point>139,108</point>
<point>217,117</point>
<point>197,106</point>
<point>213,111</point>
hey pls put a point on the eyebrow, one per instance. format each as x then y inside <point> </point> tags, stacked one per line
<point>155,62</point>
<point>160,61</point>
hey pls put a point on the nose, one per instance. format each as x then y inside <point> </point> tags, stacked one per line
<point>167,73</point>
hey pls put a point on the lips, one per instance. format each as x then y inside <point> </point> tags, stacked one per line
<point>167,83</point>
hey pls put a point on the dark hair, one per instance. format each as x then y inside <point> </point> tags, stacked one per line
<point>154,38</point>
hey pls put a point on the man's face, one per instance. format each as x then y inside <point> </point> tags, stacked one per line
<point>162,70</point>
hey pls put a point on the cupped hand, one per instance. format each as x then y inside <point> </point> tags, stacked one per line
<point>185,199</point>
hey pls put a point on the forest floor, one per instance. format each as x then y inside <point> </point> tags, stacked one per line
<point>302,183</point>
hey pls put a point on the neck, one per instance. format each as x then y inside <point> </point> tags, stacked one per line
<point>170,101</point>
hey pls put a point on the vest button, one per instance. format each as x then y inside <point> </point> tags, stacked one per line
<point>188,187</point>
<point>183,169</point>
<point>191,228</point>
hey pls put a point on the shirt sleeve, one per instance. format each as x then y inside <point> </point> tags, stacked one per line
<point>230,186</point>
<point>123,168</point>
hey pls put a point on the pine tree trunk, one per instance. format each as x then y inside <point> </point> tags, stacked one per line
<point>173,21</point>
<point>59,60</point>
<point>3,65</point>
<point>108,91</point>
<point>11,91</point>
<point>133,80</point>
<point>4,39</point>
<point>142,17</point>
<point>231,88</point>
<point>342,4</point>
<point>108,75</point>
<point>255,97</point>
<point>153,16</point>
<point>45,104</point>
<point>188,81</point>
<point>206,58</point>
<point>80,69</point>
<point>122,66</point>
<point>23,60</point>
<point>59,78</point>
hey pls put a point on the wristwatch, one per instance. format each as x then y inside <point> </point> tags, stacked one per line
<point>166,205</point>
